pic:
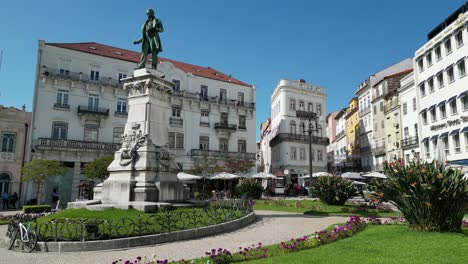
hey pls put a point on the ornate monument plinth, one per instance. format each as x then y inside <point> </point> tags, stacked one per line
<point>143,173</point>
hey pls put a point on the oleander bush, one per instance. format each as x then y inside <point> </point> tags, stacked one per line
<point>37,209</point>
<point>249,188</point>
<point>333,190</point>
<point>430,195</point>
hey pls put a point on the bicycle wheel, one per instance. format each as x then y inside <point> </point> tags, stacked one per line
<point>13,237</point>
<point>10,230</point>
<point>30,245</point>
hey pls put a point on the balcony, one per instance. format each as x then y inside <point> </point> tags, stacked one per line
<point>61,106</point>
<point>409,142</point>
<point>176,121</point>
<point>225,126</point>
<point>84,109</point>
<point>297,138</point>
<point>379,151</point>
<point>340,135</point>
<point>213,100</point>
<point>48,144</point>
<point>79,76</point>
<point>365,111</point>
<point>121,113</point>
<point>221,154</point>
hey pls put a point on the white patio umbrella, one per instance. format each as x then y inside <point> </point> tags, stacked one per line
<point>352,176</point>
<point>358,183</point>
<point>224,176</point>
<point>317,174</point>
<point>374,174</point>
<point>188,177</point>
<point>264,176</point>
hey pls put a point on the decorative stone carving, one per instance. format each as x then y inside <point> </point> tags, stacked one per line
<point>130,144</point>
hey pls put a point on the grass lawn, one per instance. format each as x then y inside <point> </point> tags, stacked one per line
<point>319,208</point>
<point>385,244</point>
<point>4,222</point>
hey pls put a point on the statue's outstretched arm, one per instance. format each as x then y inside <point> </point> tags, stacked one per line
<point>138,41</point>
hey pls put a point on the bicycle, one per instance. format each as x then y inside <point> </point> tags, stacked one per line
<point>27,235</point>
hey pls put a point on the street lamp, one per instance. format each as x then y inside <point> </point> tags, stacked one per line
<point>310,116</point>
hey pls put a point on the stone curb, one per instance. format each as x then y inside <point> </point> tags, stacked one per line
<point>146,240</point>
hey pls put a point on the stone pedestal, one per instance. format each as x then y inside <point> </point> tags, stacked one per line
<point>143,174</point>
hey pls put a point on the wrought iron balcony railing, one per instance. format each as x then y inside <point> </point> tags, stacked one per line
<point>213,99</point>
<point>80,76</point>
<point>302,138</point>
<point>379,151</point>
<point>49,143</point>
<point>121,113</point>
<point>222,154</point>
<point>61,106</point>
<point>176,121</point>
<point>225,126</point>
<point>410,142</point>
<point>85,109</point>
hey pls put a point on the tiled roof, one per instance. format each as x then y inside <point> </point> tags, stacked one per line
<point>399,73</point>
<point>132,56</point>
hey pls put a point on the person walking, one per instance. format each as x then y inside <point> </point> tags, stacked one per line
<point>55,198</point>
<point>5,197</point>
<point>13,200</point>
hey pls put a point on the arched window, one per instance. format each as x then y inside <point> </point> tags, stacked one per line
<point>302,128</point>
<point>4,182</point>
<point>292,127</point>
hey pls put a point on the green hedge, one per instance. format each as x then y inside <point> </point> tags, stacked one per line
<point>27,209</point>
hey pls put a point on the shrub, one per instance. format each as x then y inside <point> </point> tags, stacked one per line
<point>28,209</point>
<point>430,195</point>
<point>249,188</point>
<point>333,190</point>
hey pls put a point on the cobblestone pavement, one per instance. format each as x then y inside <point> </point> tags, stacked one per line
<point>271,228</point>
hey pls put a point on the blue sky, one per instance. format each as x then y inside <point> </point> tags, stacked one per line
<point>335,44</point>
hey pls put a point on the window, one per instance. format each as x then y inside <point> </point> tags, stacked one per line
<point>424,118</point>
<point>461,69</point>
<point>240,98</point>
<point>440,80</point>
<point>450,75</point>
<point>301,105</point>
<point>242,146</point>
<point>205,113</point>
<point>176,140</point>
<point>421,65</point>
<point>224,119</point>
<point>62,98</point>
<point>204,92</point>
<point>433,115</point>
<point>176,85</point>
<point>381,106</point>
<point>438,53</point>
<point>91,132</point>
<point>224,144</point>
<point>5,183</point>
<point>312,154</point>
<point>434,146</point>
<point>375,127</point>
<point>122,76</point>
<point>204,142</point>
<point>176,111</point>
<point>94,76</point>
<point>430,83</point>
<point>443,112</point>
<point>242,122</point>
<point>459,38</point>
<point>416,130</point>
<point>422,89</point>
<point>293,154</point>
<point>310,107</point>
<point>382,124</point>
<point>319,109</point>
<point>415,105</point>
<point>406,132</point>
<point>446,145</point>
<point>375,109</point>
<point>64,72</point>
<point>292,127</point>
<point>117,134</point>
<point>122,105</point>
<point>448,46</point>
<point>389,139</point>
<point>453,107</point>
<point>302,154</point>
<point>464,102</point>
<point>383,142</point>
<point>429,59</point>
<point>59,130</point>
<point>292,105</point>
<point>93,102</point>
<point>8,141</point>
<point>319,130</point>
<point>405,108</point>
<point>426,149</point>
<point>319,155</point>
<point>302,128</point>
<point>456,143</point>
<point>466,141</point>
<point>222,95</point>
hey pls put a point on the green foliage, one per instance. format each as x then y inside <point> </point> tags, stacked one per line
<point>238,165</point>
<point>249,188</point>
<point>333,190</point>
<point>98,168</point>
<point>205,167</point>
<point>431,196</point>
<point>36,209</point>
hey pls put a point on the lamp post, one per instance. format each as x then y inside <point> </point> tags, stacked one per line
<point>310,116</point>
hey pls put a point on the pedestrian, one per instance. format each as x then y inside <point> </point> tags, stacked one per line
<point>13,200</point>
<point>55,197</point>
<point>5,197</point>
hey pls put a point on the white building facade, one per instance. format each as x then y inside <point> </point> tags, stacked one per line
<point>340,141</point>
<point>442,90</point>
<point>409,118</point>
<point>80,110</point>
<point>288,141</point>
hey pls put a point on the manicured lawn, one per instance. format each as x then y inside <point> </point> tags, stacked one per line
<point>4,222</point>
<point>385,244</point>
<point>316,208</point>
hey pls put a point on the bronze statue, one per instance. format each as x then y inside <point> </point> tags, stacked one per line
<point>150,41</point>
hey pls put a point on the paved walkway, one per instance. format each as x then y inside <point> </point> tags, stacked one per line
<point>272,228</point>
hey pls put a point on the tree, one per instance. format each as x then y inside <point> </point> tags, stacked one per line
<point>39,170</point>
<point>205,167</point>
<point>238,165</point>
<point>98,168</point>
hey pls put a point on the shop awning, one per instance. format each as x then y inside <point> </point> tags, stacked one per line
<point>454,132</point>
<point>451,99</point>
<point>439,72</point>
<point>431,107</point>
<point>450,66</point>
<point>460,60</point>
<point>434,137</point>
<point>441,103</point>
<point>443,135</point>
<point>464,130</point>
<point>463,94</point>
<point>423,111</point>
<point>425,140</point>
<point>279,173</point>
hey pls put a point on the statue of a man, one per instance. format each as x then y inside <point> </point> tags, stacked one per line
<point>150,40</point>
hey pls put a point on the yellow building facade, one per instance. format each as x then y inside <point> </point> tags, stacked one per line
<point>352,134</point>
